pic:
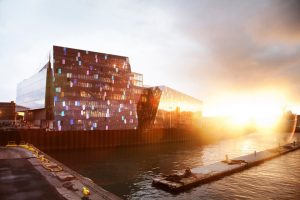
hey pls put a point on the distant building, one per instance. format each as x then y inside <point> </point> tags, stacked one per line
<point>84,90</point>
<point>7,113</point>
<point>7,110</point>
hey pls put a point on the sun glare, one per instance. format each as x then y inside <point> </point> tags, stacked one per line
<point>263,109</point>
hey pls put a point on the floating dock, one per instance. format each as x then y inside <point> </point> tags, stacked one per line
<point>176,183</point>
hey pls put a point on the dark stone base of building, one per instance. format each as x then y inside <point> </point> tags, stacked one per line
<point>59,140</point>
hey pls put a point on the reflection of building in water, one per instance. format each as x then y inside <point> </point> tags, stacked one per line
<point>84,90</point>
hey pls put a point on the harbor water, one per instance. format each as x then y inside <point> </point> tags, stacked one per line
<point>128,171</point>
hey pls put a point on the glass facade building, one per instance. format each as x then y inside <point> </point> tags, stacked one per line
<point>85,90</point>
<point>164,107</point>
<point>31,92</point>
<point>93,91</point>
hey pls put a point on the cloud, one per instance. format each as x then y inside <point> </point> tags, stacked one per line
<point>279,21</point>
<point>199,47</point>
<point>251,44</point>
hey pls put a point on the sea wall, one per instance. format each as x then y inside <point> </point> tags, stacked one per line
<point>58,140</point>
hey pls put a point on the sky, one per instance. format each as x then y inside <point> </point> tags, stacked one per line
<point>208,49</point>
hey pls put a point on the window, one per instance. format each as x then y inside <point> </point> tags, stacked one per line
<point>57,89</point>
<point>59,70</point>
<point>69,75</point>
<point>144,99</point>
<point>62,113</point>
<point>65,51</point>
<point>96,76</point>
<point>77,103</point>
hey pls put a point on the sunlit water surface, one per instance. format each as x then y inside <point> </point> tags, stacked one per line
<point>128,171</point>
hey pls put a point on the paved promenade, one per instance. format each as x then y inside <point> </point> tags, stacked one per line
<point>32,175</point>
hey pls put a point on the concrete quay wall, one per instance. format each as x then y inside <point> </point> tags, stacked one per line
<point>59,140</point>
<point>44,177</point>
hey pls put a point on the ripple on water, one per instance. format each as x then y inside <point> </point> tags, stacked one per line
<point>128,172</point>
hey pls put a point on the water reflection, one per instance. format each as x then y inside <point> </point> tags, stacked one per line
<point>128,172</point>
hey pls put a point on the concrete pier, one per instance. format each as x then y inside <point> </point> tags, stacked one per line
<point>28,173</point>
<point>179,182</point>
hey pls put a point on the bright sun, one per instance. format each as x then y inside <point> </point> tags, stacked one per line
<point>262,108</point>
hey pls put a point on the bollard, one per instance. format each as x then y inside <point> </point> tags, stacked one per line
<point>86,193</point>
<point>255,153</point>
<point>226,158</point>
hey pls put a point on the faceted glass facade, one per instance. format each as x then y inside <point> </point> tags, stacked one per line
<point>93,91</point>
<point>163,107</point>
<point>31,92</point>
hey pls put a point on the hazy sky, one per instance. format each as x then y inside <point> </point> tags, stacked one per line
<point>202,48</point>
